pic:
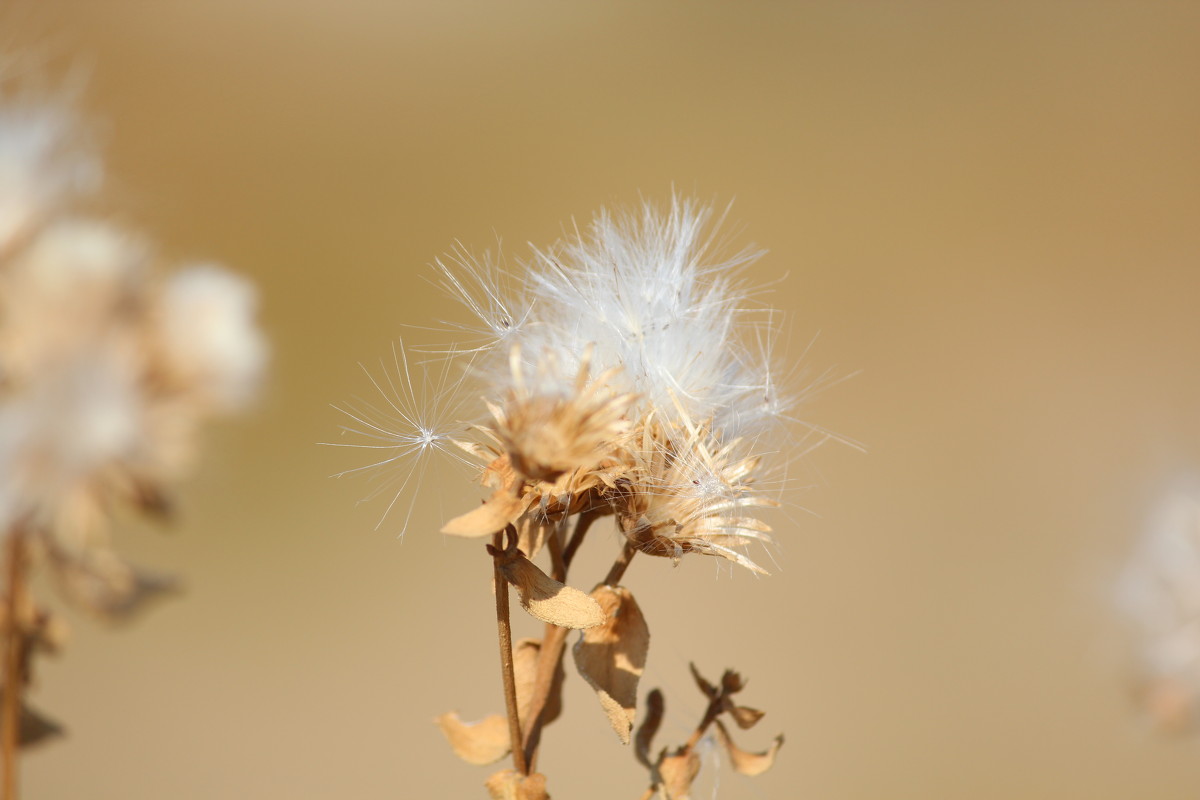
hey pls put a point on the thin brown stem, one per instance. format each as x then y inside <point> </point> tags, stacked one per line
<point>710,714</point>
<point>504,635</point>
<point>550,656</point>
<point>620,565</point>
<point>554,645</point>
<point>14,659</point>
<point>581,528</point>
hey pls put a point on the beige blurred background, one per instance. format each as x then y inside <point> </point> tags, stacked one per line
<point>989,211</point>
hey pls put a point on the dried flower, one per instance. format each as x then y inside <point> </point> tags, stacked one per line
<point>668,435</point>
<point>627,374</point>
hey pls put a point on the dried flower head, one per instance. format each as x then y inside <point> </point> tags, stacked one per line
<point>668,435</point>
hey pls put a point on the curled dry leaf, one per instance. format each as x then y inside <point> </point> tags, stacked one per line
<point>482,742</point>
<point>644,739</point>
<point>547,599</point>
<point>677,773</point>
<point>508,784</point>
<point>611,657</point>
<point>744,762</point>
<point>496,512</point>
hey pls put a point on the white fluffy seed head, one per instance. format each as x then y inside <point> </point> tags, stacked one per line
<point>210,335</point>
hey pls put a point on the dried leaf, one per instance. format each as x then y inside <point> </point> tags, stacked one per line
<point>508,784</point>
<point>677,772</point>
<point>482,742</point>
<point>745,717</point>
<point>494,515</point>
<point>35,727</point>
<point>707,688</point>
<point>644,739</point>
<point>611,657</point>
<point>102,583</point>
<point>745,762</point>
<point>547,599</point>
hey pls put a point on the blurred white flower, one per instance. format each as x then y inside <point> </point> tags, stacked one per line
<point>106,372</point>
<point>1159,591</point>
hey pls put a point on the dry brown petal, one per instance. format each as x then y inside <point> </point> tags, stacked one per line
<point>745,717</point>
<point>547,599</point>
<point>678,772</point>
<point>533,529</point>
<point>508,784</point>
<point>611,657</point>
<point>644,739</point>
<point>744,762</point>
<point>482,742</point>
<point>494,515</point>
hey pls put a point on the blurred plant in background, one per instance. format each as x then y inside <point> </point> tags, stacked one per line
<point>1160,593</point>
<point>107,371</point>
<point>629,374</point>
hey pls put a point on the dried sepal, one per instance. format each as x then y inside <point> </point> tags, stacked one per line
<point>545,598</point>
<point>508,784</point>
<point>483,742</point>
<point>612,656</point>
<point>493,515</point>
<point>745,762</point>
<point>677,772</point>
<point>643,741</point>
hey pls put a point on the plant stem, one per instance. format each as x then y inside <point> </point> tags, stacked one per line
<point>504,634</point>
<point>553,646</point>
<point>715,706</point>
<point>581,528</point>
<point>14,658</point>
<point>620,565</point>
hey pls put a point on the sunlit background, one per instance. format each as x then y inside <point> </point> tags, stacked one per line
<point>984,212</point>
